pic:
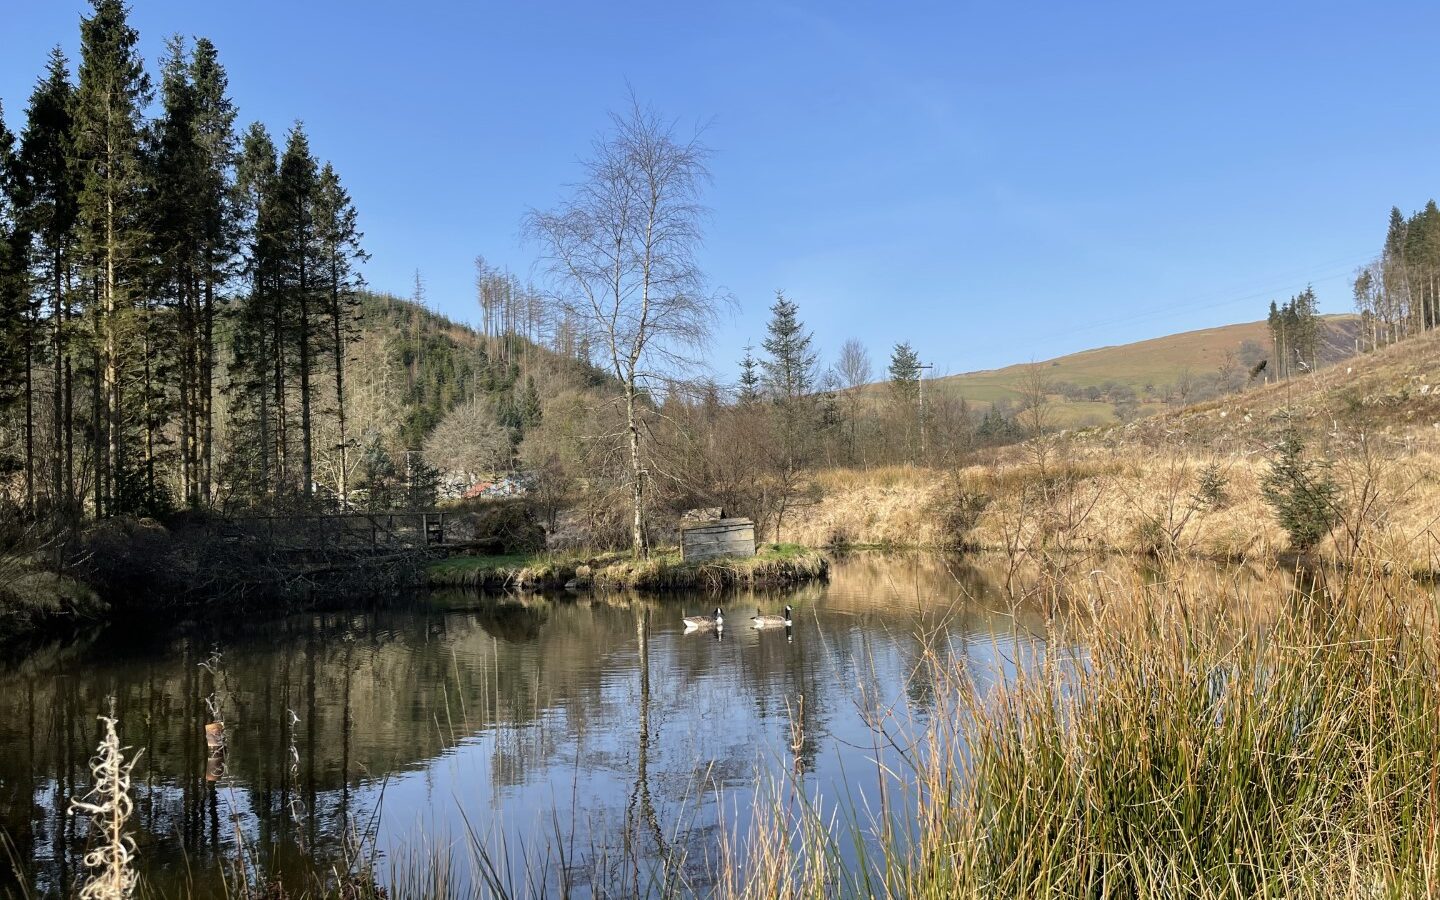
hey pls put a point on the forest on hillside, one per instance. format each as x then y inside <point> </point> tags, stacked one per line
<point>1398,293</point>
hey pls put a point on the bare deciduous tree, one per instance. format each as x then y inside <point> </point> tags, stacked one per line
<point>468,441</point>
<point>854,371</point>
<point>1035,390</point>
<point>621,255</point>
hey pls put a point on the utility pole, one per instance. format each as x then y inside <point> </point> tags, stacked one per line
<point>922,369</point>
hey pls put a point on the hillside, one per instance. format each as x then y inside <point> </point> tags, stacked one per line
<point>1389,398</point>
<point>1145,377</point>
<point>412,374</point>
<point>1372,422</point>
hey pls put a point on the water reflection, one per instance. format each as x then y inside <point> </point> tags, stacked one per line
<point>593,726</point>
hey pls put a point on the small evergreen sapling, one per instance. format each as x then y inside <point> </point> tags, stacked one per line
<point>1301,493</point>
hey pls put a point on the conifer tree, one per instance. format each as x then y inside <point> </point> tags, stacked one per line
<point>173,176</point>
<point>905,387</point>
<point>50,214</point>
<point>14,312</point>
<point>749,388</point>
<point>257,370</point>
<point>788,377</point>
<point>529,405</point>
<point>113,89</point>
<point>339,250</point>
<point>789,370</point>
<point>905,374</point>
<point>213,131</point>
<point>296,186</point>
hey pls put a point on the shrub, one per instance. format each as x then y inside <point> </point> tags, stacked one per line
<point>1210,492</point>
<point>1301,493</point>
<point>957,512</point>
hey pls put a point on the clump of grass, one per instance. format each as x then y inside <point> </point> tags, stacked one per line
<point>663,570</point>
<point>1190,755</point>
<point>109,806</point>
<point>772,564</point>
<point>517,571</point>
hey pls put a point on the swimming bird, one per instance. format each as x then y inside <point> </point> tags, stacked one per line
<point>762,621</point>
<point>715,621</point>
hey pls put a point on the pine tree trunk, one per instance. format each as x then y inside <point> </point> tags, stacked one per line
<point>30,408</point>
<point>70,498</point>
<point>149,413</point>
<point>99,441</point>
<point>306,459</point>
<point>186,396</point>
<point>262,362</point>
<point>339,339</point>
<point>57,346</point>
<point>111,379</point>
<point>282,459</point>
<point>207,392</point>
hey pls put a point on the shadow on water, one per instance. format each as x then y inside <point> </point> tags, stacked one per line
<point>424,717</point>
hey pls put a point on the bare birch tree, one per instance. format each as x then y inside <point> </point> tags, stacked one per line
<point>621,255</point>
<point>853,371</point>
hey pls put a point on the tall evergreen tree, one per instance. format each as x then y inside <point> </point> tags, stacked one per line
<point>1424,236</point>
<point>905,374</point>
<point>788,377</point>
<point>214,136</point>
<point>173,169</point>
<point>113,90</point>
<point>258,417</point>
<point>194,235</point>
<point>14,302</point>
<point>789,369</point>
<point>905,389</point>
<point>296,188</point>
<point>749,388</point>
<point>46,150</point>
<point>339,250</point>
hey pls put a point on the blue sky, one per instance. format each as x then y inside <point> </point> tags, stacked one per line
<point>995,182</point>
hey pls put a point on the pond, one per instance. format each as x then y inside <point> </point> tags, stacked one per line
<point>576,739</point>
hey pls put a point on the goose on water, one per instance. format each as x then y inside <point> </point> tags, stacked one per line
<point>713,621</point>
<point>763,621</point>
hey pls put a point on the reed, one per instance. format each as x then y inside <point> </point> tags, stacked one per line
<point>1199,751</point>
<point>1177,740</point>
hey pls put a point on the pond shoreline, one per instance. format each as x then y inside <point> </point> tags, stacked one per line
<point>773,565</point>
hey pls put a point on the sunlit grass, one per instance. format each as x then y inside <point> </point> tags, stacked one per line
<point>663,569</point>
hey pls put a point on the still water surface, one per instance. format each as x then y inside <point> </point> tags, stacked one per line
<point>585,735</point>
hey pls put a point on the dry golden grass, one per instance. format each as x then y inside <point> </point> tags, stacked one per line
<point>1133,499</point>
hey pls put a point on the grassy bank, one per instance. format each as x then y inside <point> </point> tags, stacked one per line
<point>1175,499</point>
<point>1205,749</point>
<point>773,564</point>
<point>35,600</point>
<point>1187,481</point>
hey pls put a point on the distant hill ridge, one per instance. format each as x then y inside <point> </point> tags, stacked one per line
<point>1090,386</point>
